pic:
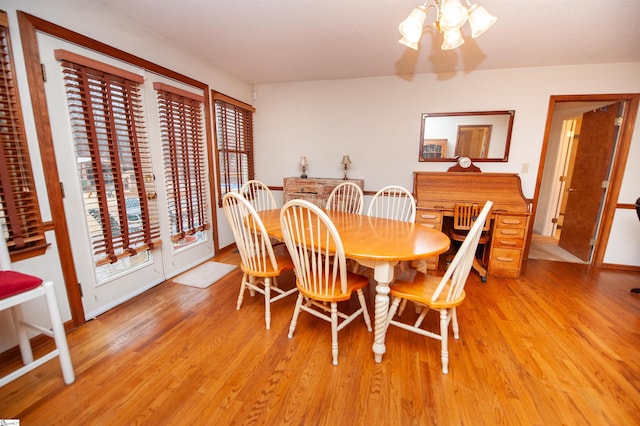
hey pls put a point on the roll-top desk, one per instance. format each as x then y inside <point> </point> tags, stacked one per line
<point>316,190</point>
<point>437,192</point>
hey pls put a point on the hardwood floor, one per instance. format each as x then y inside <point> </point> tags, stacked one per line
<point>560,345</point>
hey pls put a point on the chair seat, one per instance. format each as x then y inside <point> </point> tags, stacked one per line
<point>460,236</point>
<point>283,261</point>
<point>12,283</point>
<point>421,289</point>
<point>354,282</point>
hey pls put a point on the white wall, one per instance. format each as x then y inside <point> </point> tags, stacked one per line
<point>377,122</point>
<point>624,242</point>
<point>90,19</point>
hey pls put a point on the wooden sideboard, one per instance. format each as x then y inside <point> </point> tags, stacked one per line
<point>437,192</point>
<point>316,190</point>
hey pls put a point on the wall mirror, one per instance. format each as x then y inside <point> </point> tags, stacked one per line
<point>481,135</point>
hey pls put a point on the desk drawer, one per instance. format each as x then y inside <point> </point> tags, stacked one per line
<point>510,233</point>
<point>511,221</point>
<point>429,218</point>
<point>508,237</point>
<point>505,262</point>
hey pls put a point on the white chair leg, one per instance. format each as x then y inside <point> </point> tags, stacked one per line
<point>334,332</point>
<point>402,307</point>
<point>421,317</point>
<point>296,312</point>
<point>393,307</point>
<point>267,302</point>
<point>454,323</point>
<point>243,287</point>
<point>252,281</point>
<point>365,312</point>
<point>58,333</point>
<point>23,337</point>
<point>444,320</point>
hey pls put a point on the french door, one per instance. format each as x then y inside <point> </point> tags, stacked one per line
<point>123,201</point>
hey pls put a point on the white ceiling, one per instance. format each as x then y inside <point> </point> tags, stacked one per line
<point>269,41</point>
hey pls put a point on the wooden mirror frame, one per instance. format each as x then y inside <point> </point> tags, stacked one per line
<point>441,143</point>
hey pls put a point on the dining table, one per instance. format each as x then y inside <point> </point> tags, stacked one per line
<point>377,243</point>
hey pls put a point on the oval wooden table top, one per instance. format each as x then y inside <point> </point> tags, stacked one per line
<point>372,238</point>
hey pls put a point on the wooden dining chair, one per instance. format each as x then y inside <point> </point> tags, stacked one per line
<point>464,216</point>
<point>16,289</point>
<point>259,195</point>
<point>320,265</point>
<point>346,197</point>
<point>393,202</point>
<point>261,263</point>
<point>442,294</point>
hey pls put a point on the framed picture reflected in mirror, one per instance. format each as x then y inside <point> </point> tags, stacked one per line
<point>480,135</point>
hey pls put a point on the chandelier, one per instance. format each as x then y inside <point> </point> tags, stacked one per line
<point>450,17</point>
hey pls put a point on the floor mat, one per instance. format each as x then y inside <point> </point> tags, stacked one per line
<point>204,275</point>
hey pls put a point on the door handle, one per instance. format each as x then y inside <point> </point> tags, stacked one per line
<point>570,190</point>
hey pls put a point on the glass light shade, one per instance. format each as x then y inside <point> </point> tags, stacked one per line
<point>452,39</point>
<point>453,15</point>
<point>411,44</point>
<point>411,28</point>
<point>480,20</point>
<point>303,161</point>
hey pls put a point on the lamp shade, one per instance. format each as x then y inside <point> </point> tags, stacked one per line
<point>346,160</point>
<point>411,28</point>
<point>452,39</point>
<point>453,15</point>
<point>303,161</point>
<point>480,20</point>
<point>410,44</point>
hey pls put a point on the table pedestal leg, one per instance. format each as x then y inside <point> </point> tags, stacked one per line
<point>383,274</point>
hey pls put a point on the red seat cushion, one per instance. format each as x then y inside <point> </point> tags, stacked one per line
<point>12,283</point>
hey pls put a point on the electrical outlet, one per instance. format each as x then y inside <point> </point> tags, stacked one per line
<point>524,168</point>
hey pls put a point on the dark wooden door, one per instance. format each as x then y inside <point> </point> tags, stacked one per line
<point>586,193</point>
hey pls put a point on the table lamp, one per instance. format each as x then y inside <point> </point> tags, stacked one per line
<point>345,162</point>
<point>303,165</point>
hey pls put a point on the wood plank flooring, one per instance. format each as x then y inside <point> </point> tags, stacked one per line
<point>560,345</point>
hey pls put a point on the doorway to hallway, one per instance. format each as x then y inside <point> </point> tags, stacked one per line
<point>554,188</point>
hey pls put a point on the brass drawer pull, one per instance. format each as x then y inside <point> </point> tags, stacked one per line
<point>428,216</point>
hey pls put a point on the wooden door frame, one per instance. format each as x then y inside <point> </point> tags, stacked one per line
<point>619,162</point>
